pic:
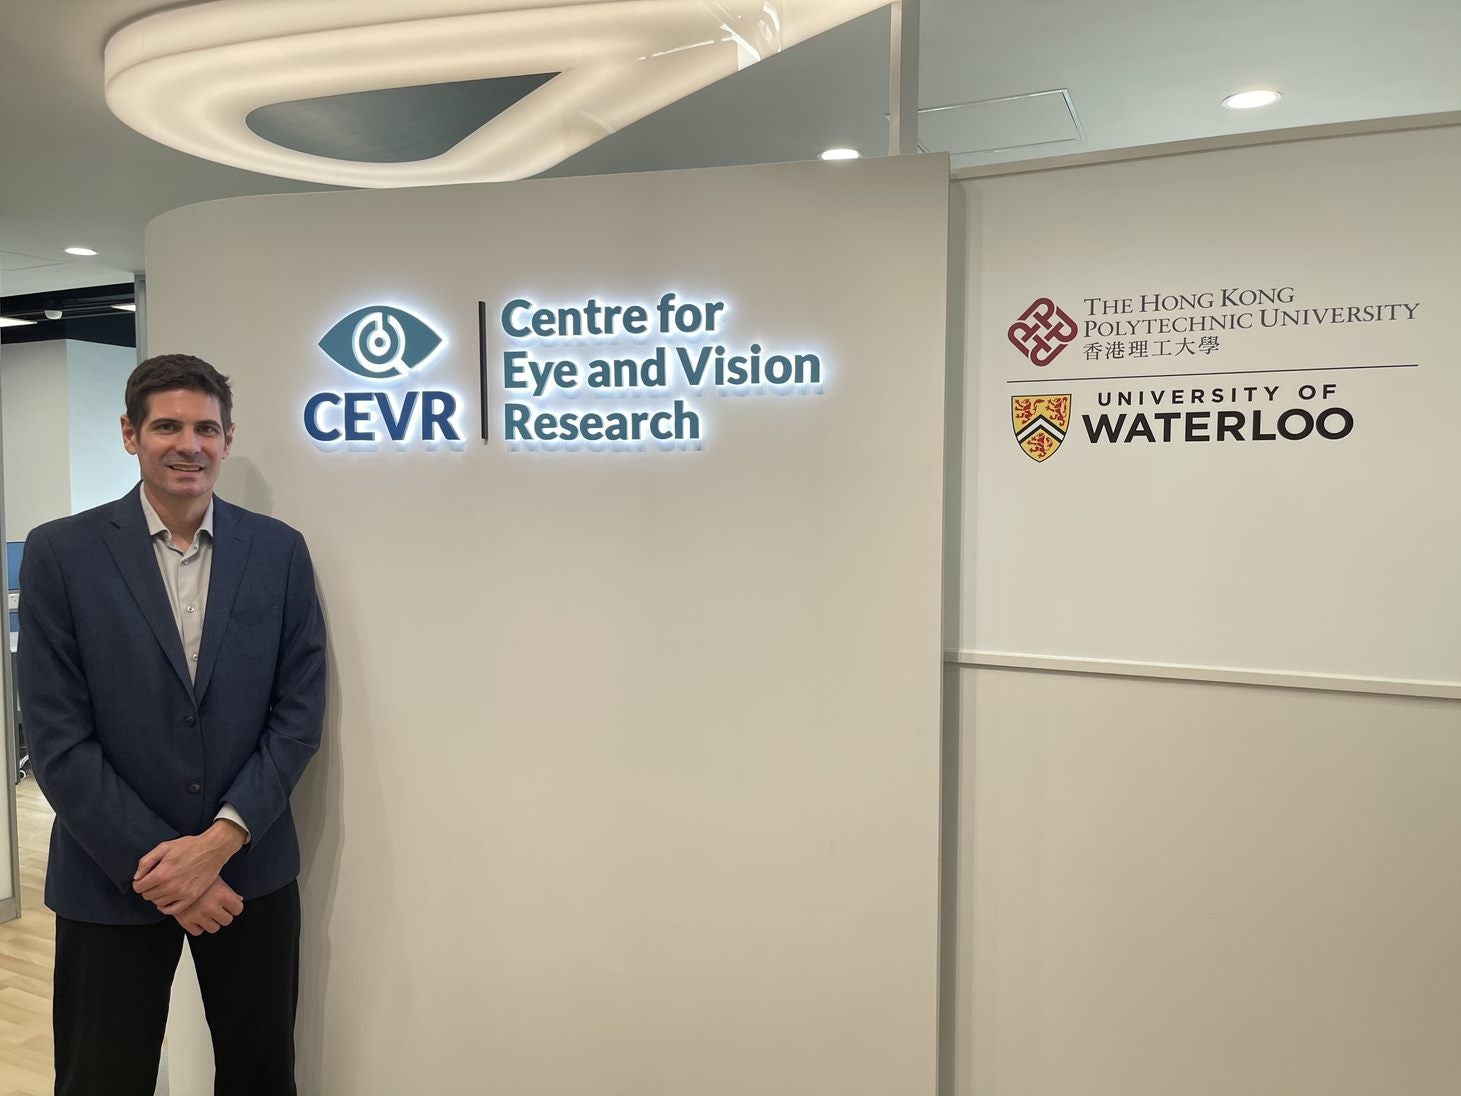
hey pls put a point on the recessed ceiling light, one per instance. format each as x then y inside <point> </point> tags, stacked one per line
<point>1247,100</point>
<point>841,154</point>
<point>80,251</point>
<point>125,307</point>
<point>13,321</point>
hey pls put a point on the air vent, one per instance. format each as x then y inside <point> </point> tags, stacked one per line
<point>996,125</point>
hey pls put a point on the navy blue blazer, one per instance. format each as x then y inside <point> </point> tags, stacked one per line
<point>127,748</point>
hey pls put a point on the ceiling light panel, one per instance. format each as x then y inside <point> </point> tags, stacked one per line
<point>189,77</point>
<point>1249,100</point>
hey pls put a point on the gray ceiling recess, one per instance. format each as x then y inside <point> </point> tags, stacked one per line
<point>391,125</point>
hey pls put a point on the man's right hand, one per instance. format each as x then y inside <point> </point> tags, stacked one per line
<point>218,906</point>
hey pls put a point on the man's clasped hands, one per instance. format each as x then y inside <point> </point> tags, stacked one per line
<point>180,877</point>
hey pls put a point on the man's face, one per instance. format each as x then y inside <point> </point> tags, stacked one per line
<point>180,445</point>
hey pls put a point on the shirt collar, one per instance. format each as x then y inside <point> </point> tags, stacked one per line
<point>155,524</point>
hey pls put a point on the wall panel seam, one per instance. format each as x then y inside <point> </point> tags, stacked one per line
<point>1283,679</point>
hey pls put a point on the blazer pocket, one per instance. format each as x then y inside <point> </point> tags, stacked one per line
<point>239,621</point>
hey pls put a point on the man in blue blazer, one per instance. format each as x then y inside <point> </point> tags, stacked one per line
<point>172,683</point>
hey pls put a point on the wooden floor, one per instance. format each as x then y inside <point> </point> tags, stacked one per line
<point>27,949</point>
<point>27,955</point>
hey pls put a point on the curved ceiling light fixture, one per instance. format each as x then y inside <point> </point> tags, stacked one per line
<point>190,77</point>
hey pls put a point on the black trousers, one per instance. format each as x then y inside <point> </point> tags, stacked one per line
<point>112,989</point>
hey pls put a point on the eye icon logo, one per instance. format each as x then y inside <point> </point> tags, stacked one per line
<point>380,342</point>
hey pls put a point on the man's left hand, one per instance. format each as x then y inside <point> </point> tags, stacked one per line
<point>175,874</point>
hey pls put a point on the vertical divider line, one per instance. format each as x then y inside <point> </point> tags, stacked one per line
<point>482,402</point>
<point>954,950</point>
<point>9,733</point>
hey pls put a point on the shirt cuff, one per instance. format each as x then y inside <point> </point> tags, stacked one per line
<point>228,814</point>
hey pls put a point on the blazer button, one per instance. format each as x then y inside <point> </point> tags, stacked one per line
<point>195,787</point>
<point>190,720</point>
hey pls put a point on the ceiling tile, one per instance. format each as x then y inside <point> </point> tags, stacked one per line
<point>1014,121</point>
<point>11,261</point>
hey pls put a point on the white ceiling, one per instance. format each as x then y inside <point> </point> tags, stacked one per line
<point>1137,72</point>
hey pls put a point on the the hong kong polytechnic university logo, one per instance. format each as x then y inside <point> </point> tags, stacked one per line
<point>1042,332</point>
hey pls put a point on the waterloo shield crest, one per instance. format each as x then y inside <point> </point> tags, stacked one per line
<point>1040,424</point>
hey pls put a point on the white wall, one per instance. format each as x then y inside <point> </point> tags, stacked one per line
<point>34,398</point>
<point>627,781</point>
<point>1264,554</point>
<point>1157,885</point>
<point>63,450</point>
<point>101,469</point>
<point>1176,888</point>
<point>62,402</point>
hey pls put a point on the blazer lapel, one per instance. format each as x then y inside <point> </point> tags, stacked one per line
<point>231,543</point>
<point>131,547</point>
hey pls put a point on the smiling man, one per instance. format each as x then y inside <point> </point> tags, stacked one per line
<point>172,677</point>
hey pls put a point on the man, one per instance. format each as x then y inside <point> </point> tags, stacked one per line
<point>172,677</point>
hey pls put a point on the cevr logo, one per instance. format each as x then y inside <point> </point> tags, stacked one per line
<point>381,343</point>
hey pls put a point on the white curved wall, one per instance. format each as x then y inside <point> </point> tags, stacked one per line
<point>627,779</point>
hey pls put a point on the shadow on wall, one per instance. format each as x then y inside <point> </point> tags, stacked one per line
<point>241,483</point>
<point>319,811</point>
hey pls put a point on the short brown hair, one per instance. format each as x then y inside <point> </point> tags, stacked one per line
<point>169,372</point>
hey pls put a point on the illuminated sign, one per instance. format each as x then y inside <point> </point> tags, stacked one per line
<point>680,354</point>
<point>381,343</point>
<point>651,363</point>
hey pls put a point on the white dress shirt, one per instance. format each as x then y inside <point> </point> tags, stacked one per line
<point>185,576</point>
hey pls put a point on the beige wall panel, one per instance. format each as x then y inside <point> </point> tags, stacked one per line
<point>1313,556</point>
<point>1171,889</point>
<point>1165,888</point>
<point>629,780</point>
<point>34,401</point>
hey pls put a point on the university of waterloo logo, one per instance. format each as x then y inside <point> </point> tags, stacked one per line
<point>1042,331</point>
<point>1040,424</point>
